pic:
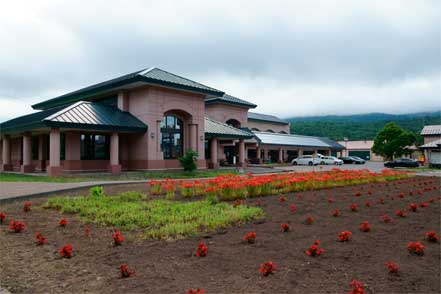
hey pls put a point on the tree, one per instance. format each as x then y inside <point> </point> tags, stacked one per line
<point>391,141</point>
<point>188,160</point>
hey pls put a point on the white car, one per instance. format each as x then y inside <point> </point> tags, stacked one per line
<point>305,160</point>
<point>331,160</point>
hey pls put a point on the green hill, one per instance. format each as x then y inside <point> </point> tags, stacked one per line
<point>360,126</point>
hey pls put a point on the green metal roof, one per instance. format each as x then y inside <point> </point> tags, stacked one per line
<point>81,115</point>
<point>152,75</point>
<point>266,117</point>
<point>215,129</point>
<point>228,99</point>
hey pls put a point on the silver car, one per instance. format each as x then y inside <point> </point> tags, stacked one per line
<point>306,160</point>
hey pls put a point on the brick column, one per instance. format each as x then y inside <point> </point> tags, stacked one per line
<point>27,166</point>
<point>213,154</point>
<point>258,154</point>
<point>265,154</point>
<point>54,168</point>
<point>193,137</point>
<point>115,167</point>
<point>242,153</point>
<point>280,155</point>
<point>6,154</point>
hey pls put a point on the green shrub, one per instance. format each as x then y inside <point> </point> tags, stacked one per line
<point>97,191</point>
<point>188,160</point>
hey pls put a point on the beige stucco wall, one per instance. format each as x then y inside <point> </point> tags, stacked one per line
<point>224,112</point>
<point>265,126</point>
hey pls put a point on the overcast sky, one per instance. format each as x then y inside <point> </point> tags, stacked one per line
<point>292,58</point>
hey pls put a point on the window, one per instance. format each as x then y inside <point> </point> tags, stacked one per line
<point>172,137</point>
<point>94,147</point>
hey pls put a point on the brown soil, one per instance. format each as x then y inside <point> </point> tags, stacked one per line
<point>232,266</point>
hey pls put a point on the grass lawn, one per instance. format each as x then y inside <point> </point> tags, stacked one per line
<point>161,219</point>
<point>126,176</point>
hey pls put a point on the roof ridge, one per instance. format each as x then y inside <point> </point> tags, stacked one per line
<point>181,77</point>
<point>64,110</point>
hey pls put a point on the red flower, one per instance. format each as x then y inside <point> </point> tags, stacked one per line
<point>195,291</point>
<point>117,238</point>
<point>365,226</point>
<point>27,206</point>
<point>125,271</point>
<point>292,207</point>
<point>250,237</point>
<point>282,199</point>
<point>400,213</point>
<point>285,227</point>
<point>66,251</point>
<point>367,204</point>
<point>309,220</point>
<point>416,248</point>
<point>267,268</point>
<point>353,207</point>
<point>63,222</point>
<point>358,193</point>
<point>336,213</point>
<point>381,201</point>
<point>2,217</point>
<point>423,204</point>
<point>356,287</point>
<point>258,202</point>
<point>401,195</point>
<point>201,250</point>
<point>87,231</point>
<point>392,267</point>
<point>17,226</point>
<point>386,218</point>
<point>40,239</point>
<point>330,200</point>
<point>344,236</point>
<point>413,207</point>
<point>432,237</point>
<point>314,250</point>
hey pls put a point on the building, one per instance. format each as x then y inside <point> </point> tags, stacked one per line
<point>360,148</point>
<point>146,120</point>
<point>432,145</point>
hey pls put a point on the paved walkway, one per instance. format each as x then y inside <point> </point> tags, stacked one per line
<point>17,189</point>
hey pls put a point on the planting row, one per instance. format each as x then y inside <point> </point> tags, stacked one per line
<point>231,187</point>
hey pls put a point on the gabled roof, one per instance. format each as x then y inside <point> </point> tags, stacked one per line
<point>81,115</point>
<point>215,129</point>
<point>266,117</point>
<point>296,140</point>
<point>431,130</point>
<point>228,99</point>
<point>152,75</point>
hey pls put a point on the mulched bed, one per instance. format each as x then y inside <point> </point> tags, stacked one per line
<point>231,266</point>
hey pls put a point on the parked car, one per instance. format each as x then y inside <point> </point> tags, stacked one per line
<point>360,160</point>
<point>331,160</point>
<point>350,159</point>
<point>402,162</point>
<point>305,160</point>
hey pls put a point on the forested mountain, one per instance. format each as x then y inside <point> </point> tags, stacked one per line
<point>360,126</point>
